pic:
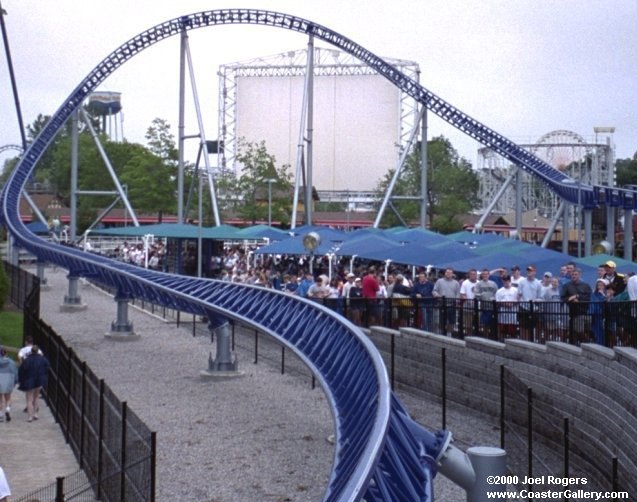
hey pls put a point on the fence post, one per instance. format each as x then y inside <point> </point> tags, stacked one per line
<point>58,383</point>
<point>122,479</point>
<point>256,347</point>
<point>69,386</point>
<point>444,387</point>
<point>153,464</point>
<point>82,414</point>
<point>282,359</point>
<point>615,466</point>
<point>502,418</point>
<point>566,447</point>
<point>529,410</point>
<point>59,489</point>
<point>100,441</point>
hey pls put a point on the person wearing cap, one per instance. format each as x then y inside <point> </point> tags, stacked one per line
<point>546,280</point>
<point>349,282</point>
<point>617,280</point>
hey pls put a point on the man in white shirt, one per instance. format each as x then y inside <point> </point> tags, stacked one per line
<point>467,292</point>
<point>530,290</point>
<point>507,299</point>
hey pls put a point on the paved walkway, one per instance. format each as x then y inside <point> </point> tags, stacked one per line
<point>33,454</point>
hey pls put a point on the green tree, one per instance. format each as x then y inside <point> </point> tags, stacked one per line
<point>150,181</point>
<point>249,190</point>
<point>626,171</point>
<point>161,141</point>
<point>452,188</point>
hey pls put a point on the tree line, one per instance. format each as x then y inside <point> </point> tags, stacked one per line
<point>150,171</point>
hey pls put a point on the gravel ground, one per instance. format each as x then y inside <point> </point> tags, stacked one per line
<point>261,437</point>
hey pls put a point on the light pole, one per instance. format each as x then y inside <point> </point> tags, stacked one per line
<point>269,182</point>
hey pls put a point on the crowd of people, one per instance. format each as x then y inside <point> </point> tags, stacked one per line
<point>497,303</point>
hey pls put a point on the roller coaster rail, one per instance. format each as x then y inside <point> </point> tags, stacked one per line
<point>380,453</point>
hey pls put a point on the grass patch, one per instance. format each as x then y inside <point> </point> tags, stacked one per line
<point>11,332</point>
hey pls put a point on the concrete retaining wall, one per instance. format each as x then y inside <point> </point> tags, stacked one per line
<point>593,386</point>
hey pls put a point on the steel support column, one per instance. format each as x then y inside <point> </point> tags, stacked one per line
<point>588,232</point>
<point>72,300</point>
<point>628,234</point>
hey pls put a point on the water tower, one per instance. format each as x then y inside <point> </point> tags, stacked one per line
<point>108,106</point>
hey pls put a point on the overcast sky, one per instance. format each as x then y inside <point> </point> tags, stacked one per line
<point>523,68</point>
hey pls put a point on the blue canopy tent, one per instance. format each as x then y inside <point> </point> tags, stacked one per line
<point>264,232</point>
<point>419,254</point>
<point>369,242</point>
<point>330,240</point>
<point>623,266</point>
<point>37,227</point>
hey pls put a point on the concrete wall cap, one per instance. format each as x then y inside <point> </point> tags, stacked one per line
<point>598,350</point>
<point>511,342</point>
<point>627,352</point>
<point>440,339</point>
<point>384,331</point>
<point>563,347</point>
<point>479,343</point>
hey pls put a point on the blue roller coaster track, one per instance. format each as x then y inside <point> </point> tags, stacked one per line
<point>380,454</point>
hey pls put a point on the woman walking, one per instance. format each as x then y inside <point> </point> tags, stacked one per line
<point>8,380</point>
<point>33,375</point>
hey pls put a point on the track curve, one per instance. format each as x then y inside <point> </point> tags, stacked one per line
<point>377,456</point>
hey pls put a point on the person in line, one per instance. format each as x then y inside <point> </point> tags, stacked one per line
<point>8,381</point>
<point>320,289</point>
<point>401,302</point>
<point>530,290</point>
<point>596,309</point>
<point>370,288</point>
<point>447,289</point>
<point>507,298</point>
<point>555,316</point>
<point>23,353</point>
<point>355,301</point>
<point>614,278</point>
<point>485,291</point>
<point>423,293</point>
<point>577,294</point>
<point>32,377</point>
<point>467,295</point>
